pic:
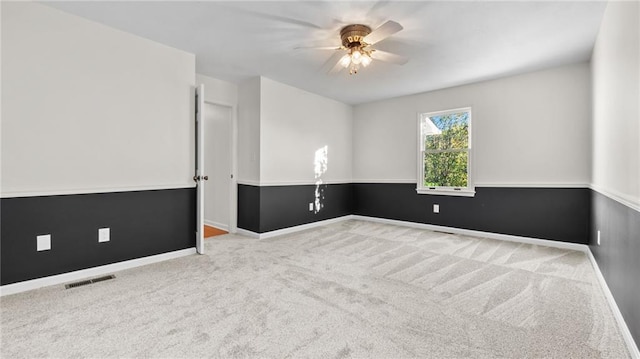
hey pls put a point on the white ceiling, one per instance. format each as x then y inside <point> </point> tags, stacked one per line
<point>448,43</point>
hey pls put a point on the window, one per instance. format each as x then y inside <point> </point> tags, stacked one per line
<point>444,158</point>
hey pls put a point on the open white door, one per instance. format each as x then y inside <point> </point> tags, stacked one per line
<point>200,176</point>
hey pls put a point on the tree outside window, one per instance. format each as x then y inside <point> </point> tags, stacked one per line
<point>445,149</point>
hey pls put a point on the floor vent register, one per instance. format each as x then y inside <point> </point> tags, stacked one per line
<point>89,281</point>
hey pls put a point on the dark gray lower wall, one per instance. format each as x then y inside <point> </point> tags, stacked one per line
<point>142,223</point>
<point>560,214</point>
<point>145,223</point>
<point>249,207</point>
<point>618,255</point>
<point>268,208</point>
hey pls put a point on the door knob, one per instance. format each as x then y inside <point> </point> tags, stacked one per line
<point>206,178</point>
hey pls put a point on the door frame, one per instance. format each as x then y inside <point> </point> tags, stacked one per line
<point>199,176</point>
<point>233,183</point>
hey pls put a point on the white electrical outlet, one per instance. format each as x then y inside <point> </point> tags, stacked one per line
<point>104,235</point>
<point>436,208</point>
<point>598,238</point>
<point>310,206</point>
<point>43,242</point>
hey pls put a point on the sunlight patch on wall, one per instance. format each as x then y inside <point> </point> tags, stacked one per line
<point>320,167</point>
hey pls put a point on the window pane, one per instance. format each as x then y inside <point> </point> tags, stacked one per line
<point>446,169</point>
<point>446,132</point>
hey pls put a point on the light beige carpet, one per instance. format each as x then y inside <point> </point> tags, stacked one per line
<point>351,289</point>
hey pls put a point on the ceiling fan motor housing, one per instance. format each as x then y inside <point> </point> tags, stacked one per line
<point>352,35</point>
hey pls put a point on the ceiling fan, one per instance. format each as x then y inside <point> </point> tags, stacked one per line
<point>357,50</point>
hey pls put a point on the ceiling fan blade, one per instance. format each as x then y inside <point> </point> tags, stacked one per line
<point>316,48</point>
<point>268,16</point>
<point>335,60</point>
<point>319,45</point>
<point>377,6</point>
<point>329,65</point>
<point>337,67</point>
<point>382,32</point>
<point>389,57</point>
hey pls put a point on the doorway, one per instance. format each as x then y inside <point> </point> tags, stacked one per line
<point>218,141</point>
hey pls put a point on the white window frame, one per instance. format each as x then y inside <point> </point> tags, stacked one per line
<point>468,191</point>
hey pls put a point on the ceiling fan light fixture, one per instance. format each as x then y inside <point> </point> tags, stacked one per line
<point>356,57</point>
<point>352,37</point>
<point>357,41</point>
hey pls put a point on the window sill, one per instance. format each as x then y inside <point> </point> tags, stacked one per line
<point>447,192</point>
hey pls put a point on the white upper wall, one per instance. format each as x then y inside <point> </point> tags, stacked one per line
<point>294,124</point>
<point>616,103</point>
<point>249,131</point>
<point>532,129</point>
<point>218,91</point>
<point>87,108</point>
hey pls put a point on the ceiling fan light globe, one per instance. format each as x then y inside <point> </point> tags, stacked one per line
<point>366,60</point>
<point>345,61</point>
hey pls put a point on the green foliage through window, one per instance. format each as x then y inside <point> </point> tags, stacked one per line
<point>446,150</point>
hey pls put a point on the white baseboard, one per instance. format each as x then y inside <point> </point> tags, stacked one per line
<point>289,230</point>
<point>91,272</point>
<point>469,232</point>
<point>247,233</point>
<point>302,227</point>
<point>626,334</point>
<point>109,268</point>
<point>431,227</point>
<point>224,227</point>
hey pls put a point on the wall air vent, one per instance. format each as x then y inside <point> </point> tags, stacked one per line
<point>89,281</point>
<point>443,232</point>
